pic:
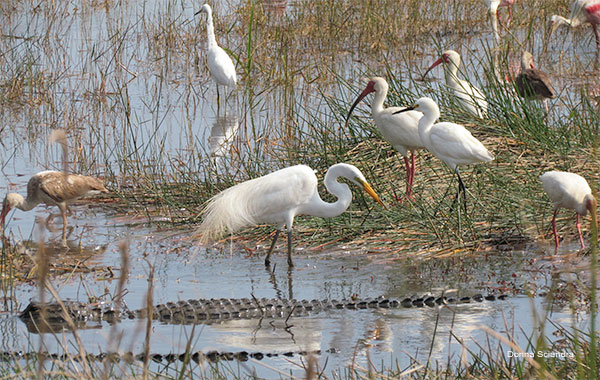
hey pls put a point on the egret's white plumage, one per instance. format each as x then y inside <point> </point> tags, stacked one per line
<point>570,191</point>
<point>582,11</point>
<point>277,198</point>
<point>220,65</point>
<point>493,6</point>
<point>469,97</point>
<point>54,189</point>
<point>401,130</point>
<point>450,142</point>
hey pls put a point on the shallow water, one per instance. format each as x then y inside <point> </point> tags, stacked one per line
<point>388,337</point>
<point>172,114</point>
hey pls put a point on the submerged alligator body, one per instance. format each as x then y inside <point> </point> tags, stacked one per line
<point>205,311</point>
<point>129,357</point>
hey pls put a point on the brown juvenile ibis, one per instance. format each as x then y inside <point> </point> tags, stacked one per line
<point>582,11</point>
<point>532,83</point>
<point>53,188</point>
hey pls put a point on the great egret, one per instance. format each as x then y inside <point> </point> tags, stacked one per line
<point>54,189</point>
<point>571,191</point>
<point>220,65</point>
<point>582,11</point>
<point>450,142</point>
<point>493,6</point>
<point>532,83</point>
<point>469,97</point>
<point>402,131</point>
<point>277,198</point>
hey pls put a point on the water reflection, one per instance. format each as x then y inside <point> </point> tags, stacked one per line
<point>272,335</point>
<point>273,281</point>
<point>275,7</point>
<point>223,134</point>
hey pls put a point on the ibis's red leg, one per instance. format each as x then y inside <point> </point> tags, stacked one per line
<point>499,19</point>
<point>554,228</point>
<point>595,27</point>
<point>579,231</point>
<point>410,174</point>
<point>413,170</point>
<point>408,178</point>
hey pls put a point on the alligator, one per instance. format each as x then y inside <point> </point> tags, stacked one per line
<point>207,311</point>
<point>129,357</point>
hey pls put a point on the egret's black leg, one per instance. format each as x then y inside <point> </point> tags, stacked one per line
<point>290,262</point>
<point>268,258</point>
<point>290,287</point>
<point>461,187</point>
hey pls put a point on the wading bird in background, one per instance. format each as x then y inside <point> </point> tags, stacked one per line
<point>220,65</point>
<point>493,6</point>
<point>277,198</point>
<point>469,97</point>
<point>571,191</point>
<point>402,130</point>
<point>532,83</point>
<point>54,189</point>
<point>582,11</point>
<point>452,143</point>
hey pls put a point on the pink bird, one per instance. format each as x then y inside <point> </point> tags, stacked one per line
<point>582,11</point>
<point>493,6</point>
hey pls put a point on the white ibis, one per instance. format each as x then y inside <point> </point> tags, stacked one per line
<point>54,189</point>
<point>402,131</point>
<point>469,97</point>
<point>571,191</point>
<point>452,143</point>
<point>582,11</point>
<point>493,6</point>
<point>220,65</point>
<point>277,198</point>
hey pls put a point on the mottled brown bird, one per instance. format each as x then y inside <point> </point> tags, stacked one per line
<point>53,188</point>
<point>532,83</point>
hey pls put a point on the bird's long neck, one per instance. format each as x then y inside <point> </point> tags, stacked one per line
<point>493,13</point>
<point>425,125</point>
<point>378,99</point>
<point>210,30</point>
<point>25,204</point>
<point>451,71</point>
<point>340,190</point>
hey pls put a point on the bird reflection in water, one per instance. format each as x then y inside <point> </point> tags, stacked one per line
<point>222,137</point>
<point>276,8</point>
